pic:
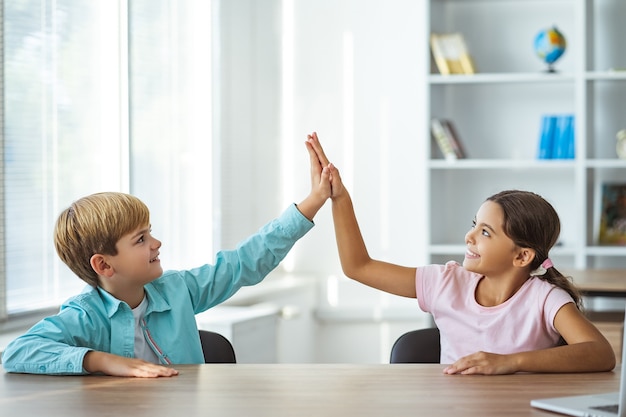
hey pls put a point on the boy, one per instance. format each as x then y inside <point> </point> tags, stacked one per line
<point>133,319</point>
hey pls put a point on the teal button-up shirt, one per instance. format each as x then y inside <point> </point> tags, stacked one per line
<point>95,320</point>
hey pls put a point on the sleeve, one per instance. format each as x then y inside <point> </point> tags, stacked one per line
<point>425,279</point>
<point>430,282</point>
<point>249,263</point>
<point>49,347</point>
<point>557,298</point>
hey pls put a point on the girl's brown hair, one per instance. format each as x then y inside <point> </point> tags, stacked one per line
<point>531,222</point>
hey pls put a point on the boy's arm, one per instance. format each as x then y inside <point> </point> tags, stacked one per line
<point>255,257</point>
<point>50,348</point>
<point>587,350</point>
<point>355,260</point>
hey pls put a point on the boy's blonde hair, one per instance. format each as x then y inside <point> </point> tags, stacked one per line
<point>94,224</point>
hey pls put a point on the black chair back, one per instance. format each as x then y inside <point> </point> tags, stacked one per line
<point>216,348</point>
<point>417,346</point>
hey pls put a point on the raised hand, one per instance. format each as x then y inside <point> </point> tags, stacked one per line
<point>320,161</point>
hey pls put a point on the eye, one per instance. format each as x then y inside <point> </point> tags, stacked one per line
<point>483,232</point>
<point>142,238</point>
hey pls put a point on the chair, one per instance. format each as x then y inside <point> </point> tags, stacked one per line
<point>417,346</point>
<point>422,346</point>
<point>216,348</point>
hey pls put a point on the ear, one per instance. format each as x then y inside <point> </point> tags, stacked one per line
<point>524,257</point>
<point>100,266</point>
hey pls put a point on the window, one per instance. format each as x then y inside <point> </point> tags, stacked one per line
<point>99,96</point>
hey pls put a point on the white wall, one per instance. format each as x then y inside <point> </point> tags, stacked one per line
<point>369,134</point>
<point>353,75</point>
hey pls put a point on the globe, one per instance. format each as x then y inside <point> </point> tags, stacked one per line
<point>549,46</point>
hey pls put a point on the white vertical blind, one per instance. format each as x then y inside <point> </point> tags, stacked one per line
<point>60,79</point>
<point>171,123</point>
<point>67,127</point>
<point>3,308</point>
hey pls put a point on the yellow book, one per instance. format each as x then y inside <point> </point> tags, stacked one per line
<point>450,54</point>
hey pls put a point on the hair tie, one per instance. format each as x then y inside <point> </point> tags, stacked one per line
<point>543,268</point>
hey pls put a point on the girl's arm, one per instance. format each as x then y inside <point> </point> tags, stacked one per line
<point>587,350</point>
<point>355,260</point>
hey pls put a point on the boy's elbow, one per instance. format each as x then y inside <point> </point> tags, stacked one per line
<point>7,363</point>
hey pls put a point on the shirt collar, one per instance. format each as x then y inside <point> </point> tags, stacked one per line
<point>156,302</point>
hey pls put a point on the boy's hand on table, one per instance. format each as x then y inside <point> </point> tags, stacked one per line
<point>115,365</point>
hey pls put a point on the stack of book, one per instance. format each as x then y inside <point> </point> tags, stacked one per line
<point>445,135</point>
<point>556,139</point>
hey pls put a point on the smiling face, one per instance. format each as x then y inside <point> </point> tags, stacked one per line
<point>94,225</point>
<point>137,260</point>
<point>489,250</point>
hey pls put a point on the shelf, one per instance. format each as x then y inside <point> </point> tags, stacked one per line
<point>606,250</point>
<point>546,164</point>
<point>494,164</point>
<point>606,163</point>
<point>498,115</point>
<point>493,78</point>
<point>606,75</point>
<point>525,77</point>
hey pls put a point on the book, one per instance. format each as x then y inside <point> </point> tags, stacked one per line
<point>451,54</point>
<point>612,230</point>
<point>453,138</point>
<point>546,137</point>
<point>438,133</point>
<point>447,138</point>
<point>563,144</point>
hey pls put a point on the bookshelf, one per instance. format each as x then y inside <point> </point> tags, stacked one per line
<point>498,111</point>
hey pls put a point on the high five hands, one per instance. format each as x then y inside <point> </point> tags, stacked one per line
<point>319,162</point>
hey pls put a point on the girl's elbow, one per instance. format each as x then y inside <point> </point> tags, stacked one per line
<point>610,363</point>
<point>606,359</point>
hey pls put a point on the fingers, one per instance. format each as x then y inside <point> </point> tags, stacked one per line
<point>119,366</point>
<point>153,371</point>
<point>315,145</point>
<point>316,164</point>
<point>483,363</point>
<point>327,171</point>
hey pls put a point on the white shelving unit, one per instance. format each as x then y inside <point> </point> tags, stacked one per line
<point>498,112</point>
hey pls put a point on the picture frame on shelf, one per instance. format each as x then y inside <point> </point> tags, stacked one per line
<point>612,230</point>
<point>451,54</point>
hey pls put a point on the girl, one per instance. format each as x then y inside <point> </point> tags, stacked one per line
<point>506,308</point>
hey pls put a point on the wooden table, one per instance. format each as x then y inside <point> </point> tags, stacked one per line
<point>600,282</point>
<point>326,390</point>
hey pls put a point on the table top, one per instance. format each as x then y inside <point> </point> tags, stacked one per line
<point>599,282</point>
<point>294,390</point>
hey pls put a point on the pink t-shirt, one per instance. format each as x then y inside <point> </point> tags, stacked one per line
<point>522,323</point>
